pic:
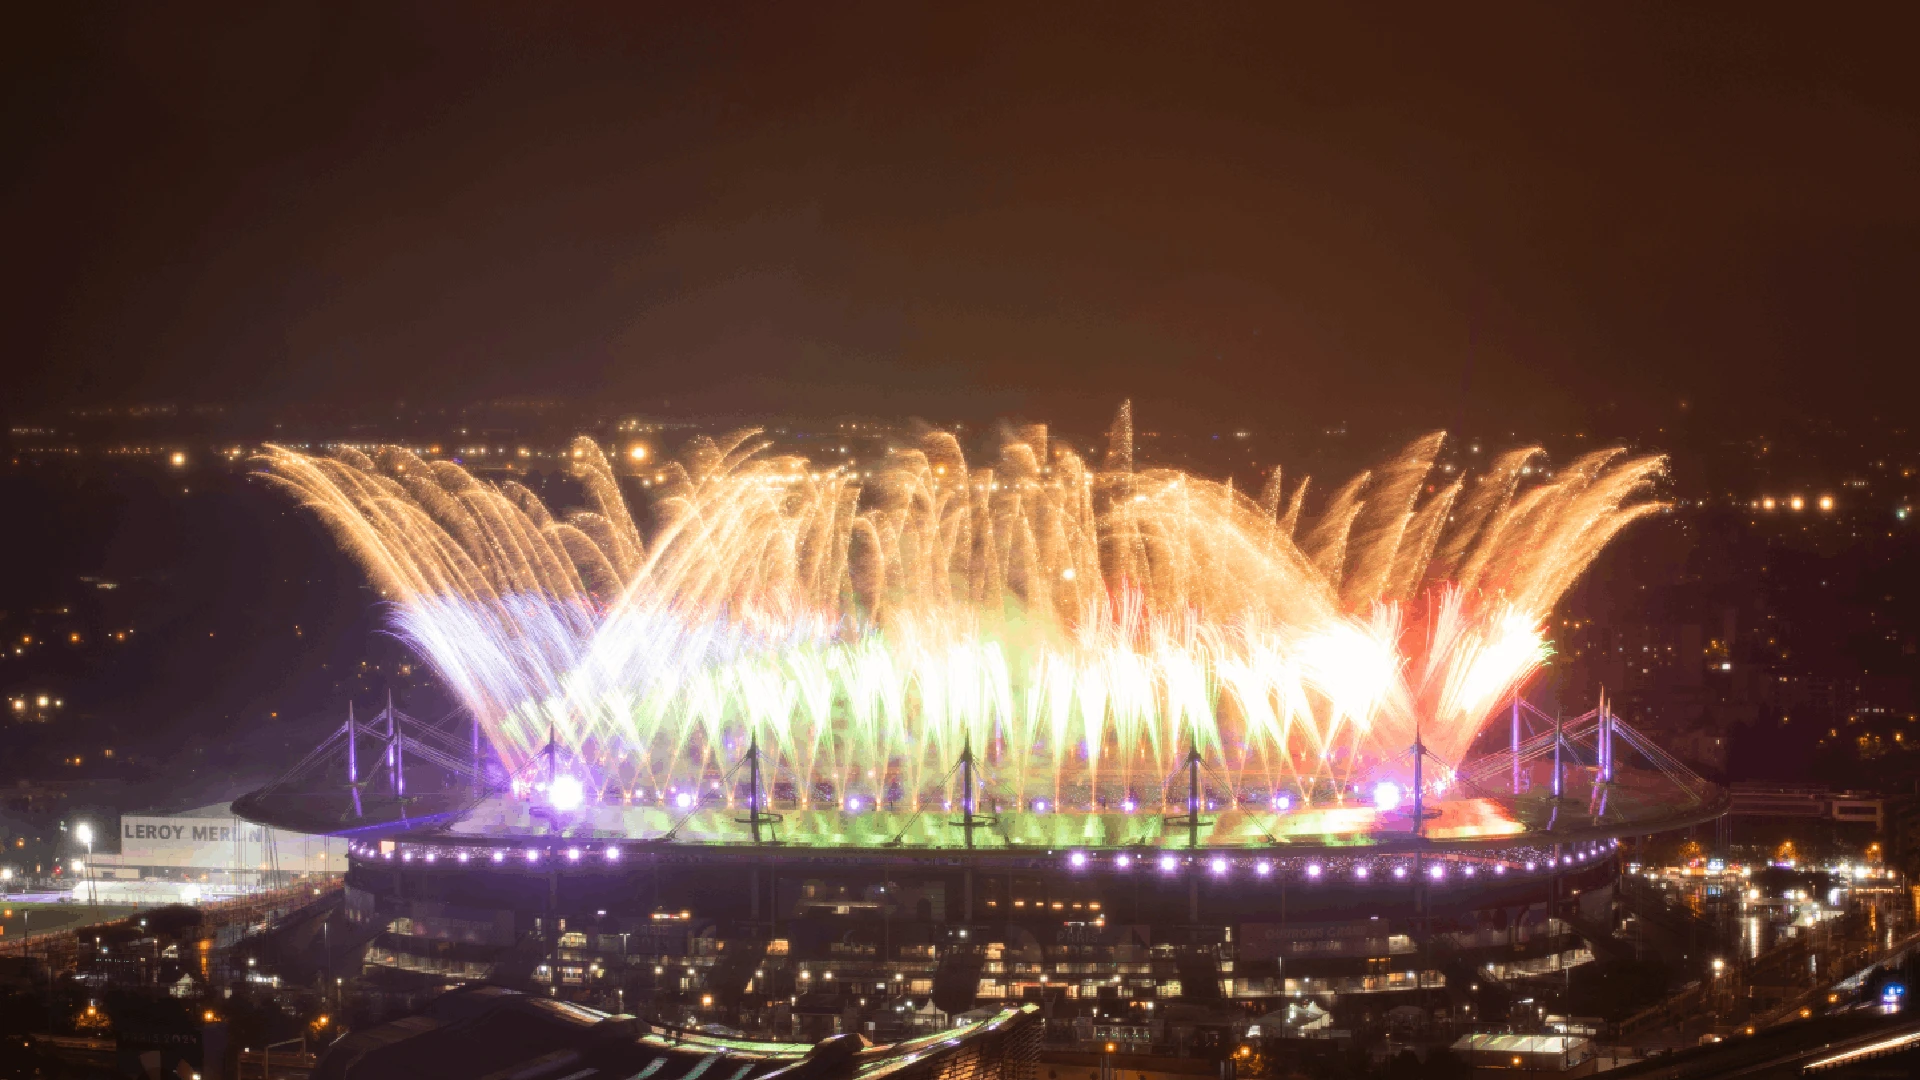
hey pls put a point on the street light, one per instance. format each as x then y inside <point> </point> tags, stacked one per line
<point>84,831</point>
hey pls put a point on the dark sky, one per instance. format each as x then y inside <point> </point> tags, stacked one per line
<point>1262,215</point>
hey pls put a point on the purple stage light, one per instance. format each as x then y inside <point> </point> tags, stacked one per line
<point>566,793</point>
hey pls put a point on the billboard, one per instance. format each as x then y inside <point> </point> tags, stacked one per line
<point>222,843</point>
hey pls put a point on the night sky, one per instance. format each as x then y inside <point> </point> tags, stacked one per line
<point>1251,215</point>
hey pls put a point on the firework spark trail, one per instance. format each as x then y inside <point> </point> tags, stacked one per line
<point>1081,628</point>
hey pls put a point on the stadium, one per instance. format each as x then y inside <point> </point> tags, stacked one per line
<point>870,749</point>
<point>760,920</point>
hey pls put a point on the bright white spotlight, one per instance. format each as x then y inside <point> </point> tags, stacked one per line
<point>566,793</point>
<point>1386,795</point>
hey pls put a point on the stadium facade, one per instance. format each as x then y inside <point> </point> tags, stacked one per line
<point>735,911</point>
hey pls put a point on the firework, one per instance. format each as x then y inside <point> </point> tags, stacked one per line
<point>1081,628</point>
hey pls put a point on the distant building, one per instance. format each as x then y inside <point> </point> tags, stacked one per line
<point>1555,1055</point>
<point>1806,801</point>
<point>204,853</point>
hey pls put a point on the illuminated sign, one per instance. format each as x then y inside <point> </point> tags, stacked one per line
<point>221,843</point>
